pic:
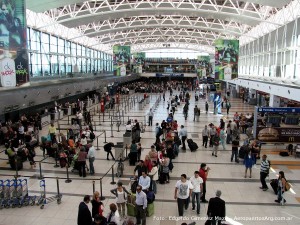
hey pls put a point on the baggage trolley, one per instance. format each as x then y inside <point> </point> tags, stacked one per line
<point>43,200</point>
<point>5,194</point>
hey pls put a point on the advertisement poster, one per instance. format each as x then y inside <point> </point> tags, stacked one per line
<point>226,56</point>
<point>204,67</point>
<point>138,61</point>
<point>13,45</point>
<point>217,103</point>
<point>121,59</point>
<point>278,134</point>
<point>138,58</point>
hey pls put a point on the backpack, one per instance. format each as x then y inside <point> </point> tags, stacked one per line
<point>150,197</point>
<point>92,136</point>
<point>287,186</point>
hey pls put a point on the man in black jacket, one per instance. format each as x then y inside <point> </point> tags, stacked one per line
<point>84,214</point>
<point>107,147</point>
<point>216,209</point>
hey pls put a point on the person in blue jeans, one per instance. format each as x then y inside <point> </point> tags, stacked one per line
<point>281,188</point>
<point>197,183</point>
<point>91,157</point>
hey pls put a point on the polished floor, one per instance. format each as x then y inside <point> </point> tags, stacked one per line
<point>245,202</point>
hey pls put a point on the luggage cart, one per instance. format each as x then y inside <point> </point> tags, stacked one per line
<point>19,192</point>
<point>5,194</point>
<point>42,200</point>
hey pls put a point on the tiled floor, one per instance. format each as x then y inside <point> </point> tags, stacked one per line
<point>245,202</point>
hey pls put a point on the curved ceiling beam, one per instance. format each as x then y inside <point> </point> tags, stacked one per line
<point>74,15</point>
<point>107,28</point>
<point>89,18</point>
<point>160,45</point>
<point>159,39</point>
<point>133,39</point>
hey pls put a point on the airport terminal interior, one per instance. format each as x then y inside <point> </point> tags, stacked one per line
<point>99,67</point>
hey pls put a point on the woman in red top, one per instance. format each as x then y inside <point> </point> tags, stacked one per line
<point>175,125</point>
<point>203,172</point>
<point>148,163</point>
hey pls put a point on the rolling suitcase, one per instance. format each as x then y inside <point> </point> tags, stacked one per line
<point>192,145</point>
<point>150,209</point>
<point>131,205</point>
<point>274,185</point>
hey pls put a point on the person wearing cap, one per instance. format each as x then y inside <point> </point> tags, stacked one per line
<point>203,172</point>
<point>216,209</point>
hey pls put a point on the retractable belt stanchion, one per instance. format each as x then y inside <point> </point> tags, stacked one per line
<point>68,180</point>
<point>113,175</point>
<point>101,195</point>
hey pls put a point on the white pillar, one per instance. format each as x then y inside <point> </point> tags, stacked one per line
<point>274,101</point>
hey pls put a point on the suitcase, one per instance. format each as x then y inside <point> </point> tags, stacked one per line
<point>150,209</point>
<point>15,166</point>
<point>192,145</point>
<point>283,153</point>
<point>274,185</point>
<point>131,210</point>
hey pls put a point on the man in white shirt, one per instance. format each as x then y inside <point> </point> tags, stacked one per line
<point>183,191</point>
<point>91,157</point>
<point>140,206</point>
<point>197,182</point>
<point>144,181</point>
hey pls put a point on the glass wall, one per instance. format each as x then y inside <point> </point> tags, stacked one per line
<point>50,55</point>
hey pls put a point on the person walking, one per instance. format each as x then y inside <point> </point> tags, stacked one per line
<point>206,107</point>
<point>140,206</point>
<point>183,192</point>
<point>107,147</point>
<point>91,157</point>
<point>281,188</point>
<point>84,214</point>
<point>197,183</point>
<point>222,138</point>
<point>183,136</point>
<point>150,117</point>
<point>216,210</point>
<point>234,150</point>
<point>82,155</point>
<point>205,136</point>
<point>264,172</point>
<point>216,143</point>
<point>119,192</point>
<point>203,173</point>
<point>212,132</point>
<point>228,106</point>
<point>195,112</point>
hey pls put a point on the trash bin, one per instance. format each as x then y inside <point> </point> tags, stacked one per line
<point>119,151</point>
<point>127,139</point>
